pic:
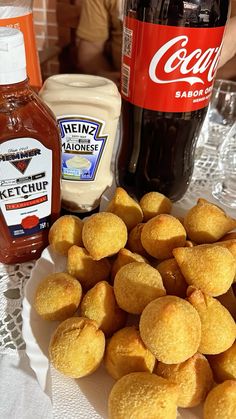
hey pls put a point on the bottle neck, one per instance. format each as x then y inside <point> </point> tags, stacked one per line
<point>17,89</point>
<point>8,88</point>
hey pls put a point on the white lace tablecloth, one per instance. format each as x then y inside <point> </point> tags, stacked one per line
<point>20,394</point>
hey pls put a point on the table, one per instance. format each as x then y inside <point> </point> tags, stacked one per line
<point>20,394</point>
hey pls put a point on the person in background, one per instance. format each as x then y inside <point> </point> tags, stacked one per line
<point>99,36</point>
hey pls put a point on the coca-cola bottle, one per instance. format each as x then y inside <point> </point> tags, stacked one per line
<point>171,50</point>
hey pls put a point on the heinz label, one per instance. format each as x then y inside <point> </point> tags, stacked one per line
<point>83,142</point>
<point>169,68</point>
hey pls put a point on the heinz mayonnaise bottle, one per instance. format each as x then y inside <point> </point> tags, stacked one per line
<point>87,110</point>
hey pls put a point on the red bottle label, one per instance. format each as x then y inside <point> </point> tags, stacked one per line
<point>169,68</point>
<point>30,222</point>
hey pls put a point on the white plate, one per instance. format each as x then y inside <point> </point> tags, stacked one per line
<point>36,332</point>
<point>87,396</point>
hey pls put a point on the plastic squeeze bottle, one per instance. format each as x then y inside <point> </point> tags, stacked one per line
<point>30,158</point>
<point>87,109</point>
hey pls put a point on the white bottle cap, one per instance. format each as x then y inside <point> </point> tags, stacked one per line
<point>12,56</point>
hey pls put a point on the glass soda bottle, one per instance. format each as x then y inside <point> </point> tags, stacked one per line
<point>171,50</point>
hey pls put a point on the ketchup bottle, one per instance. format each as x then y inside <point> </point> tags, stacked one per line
<point>171,49</point>
<point>30,162</point>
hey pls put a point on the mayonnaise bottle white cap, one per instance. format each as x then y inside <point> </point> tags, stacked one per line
<point>12,56</point>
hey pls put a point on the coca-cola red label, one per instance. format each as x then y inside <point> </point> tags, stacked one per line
<point>169,68</point>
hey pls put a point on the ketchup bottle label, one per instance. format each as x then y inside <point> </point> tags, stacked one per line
<point>83,143</point>
<point>169,68</point>
<point>25,186</point>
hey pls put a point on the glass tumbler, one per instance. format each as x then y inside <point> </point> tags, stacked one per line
<point>224,188</point>
<point>218,122</point>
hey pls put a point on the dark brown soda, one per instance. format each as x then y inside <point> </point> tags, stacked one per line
<point>157,148</point>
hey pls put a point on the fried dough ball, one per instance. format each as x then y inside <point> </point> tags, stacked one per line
<point>230,245</point>
<point>228,300</point>
<point>124,257</point>
<point>210,268</point>
<point>87,270</point>
<point>65,232</point>
<point>161,235</point>
<point>77,347</point>
<point>171,328</point>
<point>172,278</point>
<point>142,395</point>
<point>135,285</point>
<point>194,378</point>
<point>134,240</point>
<point>57,296</point>
<point>154,203</point>
<point>104,234</point>
<point>207,223</point>
<point>221,402</point>
<point>126,353</point>
<point>99,304</point>
<point>218,326</point>
<point>126,208</point>
<point>224,364</point>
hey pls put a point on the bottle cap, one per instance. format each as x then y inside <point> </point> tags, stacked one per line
<point>12,56</point>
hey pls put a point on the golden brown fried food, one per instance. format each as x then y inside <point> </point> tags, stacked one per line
<point>228,300</point>
<point>211,268</point>
<point>218,326</point>
<point>188,243</point>
<point>161,235</point>
<point>172,278</point>
<point>126,353</point>
<point>126,208</point>
<point>221,402</point>
<point>224,364</point>
<point>57,296</point>
<point>142,395</point>
<point>230,245</point>
<point>155,203</point>
<point>194,378</point>
<point>124,257</point>
<point>87,270</point>
<point>99,304</point>
<point>171,329</point>
<point>65,232</point>
<point>229,236</point>
<point>134,240</point>
<point>207,223</point>
<point>77,347</point>
<point>104,234</point>
<point>135,285</point>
